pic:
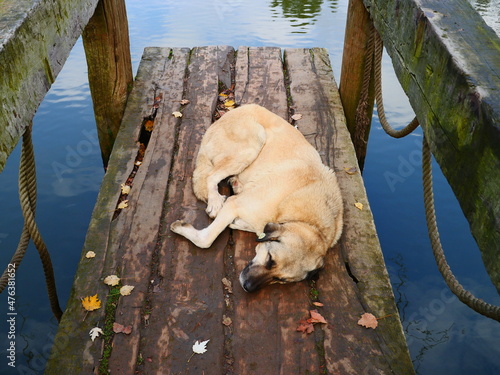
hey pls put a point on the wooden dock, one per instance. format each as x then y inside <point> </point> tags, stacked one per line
<point>181,293</point>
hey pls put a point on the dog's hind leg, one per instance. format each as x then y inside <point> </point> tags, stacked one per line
<point>226,150</point>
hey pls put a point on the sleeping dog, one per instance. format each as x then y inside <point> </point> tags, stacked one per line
<point>282,192</point>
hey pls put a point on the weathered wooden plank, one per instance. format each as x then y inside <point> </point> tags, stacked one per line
<point>448,62</point>
<point>187,302</point>
<point>72,350</point>
<point>264,339</point>
<point>315,96</point>
<point>35,40</point>
<point>136,228</point>
<point>107,49</point>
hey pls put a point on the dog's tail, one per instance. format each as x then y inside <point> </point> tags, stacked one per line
<point>200,174</point>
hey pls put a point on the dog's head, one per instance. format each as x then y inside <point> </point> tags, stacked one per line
<point>286,253</point>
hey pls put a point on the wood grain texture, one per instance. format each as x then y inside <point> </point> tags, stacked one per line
<point>179,295</point>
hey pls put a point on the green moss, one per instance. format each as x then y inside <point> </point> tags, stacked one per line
<point>109,319</point>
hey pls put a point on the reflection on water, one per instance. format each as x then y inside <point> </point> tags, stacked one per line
<point>490,11</point>
<point>300,13</point>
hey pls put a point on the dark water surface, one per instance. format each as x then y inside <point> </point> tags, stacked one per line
<point>444,336</point>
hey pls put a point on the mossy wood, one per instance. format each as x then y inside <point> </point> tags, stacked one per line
<point>448,62</point>
<point>179,294</point>
<point>36,37</point>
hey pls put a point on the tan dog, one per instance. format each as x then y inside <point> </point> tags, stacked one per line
<point>283,193</point>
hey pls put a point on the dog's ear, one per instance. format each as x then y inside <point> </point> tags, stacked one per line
<point>271,233</point>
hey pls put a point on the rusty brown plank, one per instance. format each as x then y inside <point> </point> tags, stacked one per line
<point>186,302</point>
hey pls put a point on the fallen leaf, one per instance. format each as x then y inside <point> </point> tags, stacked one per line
<point>90,254</point>
<point>177,114</point>
<point>229,103</point>
<point>319,304</point>
<point>296,116</point>
<point>122,205</point>
<point>94,332</point>
<point>184,101</point>
<point>368,320</point>
<point>305,326</point>
<point>91,303</point>
<point>120,328</point>
<point>138,163</point>
<point>157,101</point>
<point>359,205</point>
<point>200,347</point>
<point>228,285</point>
<point>149,125</point>
<point>351,170</point>
<point>316,317</point>
<point>112,280</point>
<point>125,188</point>
<point>226,320</point>
<point>126,290</point>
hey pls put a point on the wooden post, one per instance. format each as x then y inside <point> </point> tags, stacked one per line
<point>357,35</point>
<point>107,48</point>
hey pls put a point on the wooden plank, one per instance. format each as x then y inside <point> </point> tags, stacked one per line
<point>136,229</point>
<point>348,283</point>
<point>179,296</point>
<point>72,350</point>
<point>35,40</point>
<point>187,302</point>
<point>265,340</point>
<point>448,62</point>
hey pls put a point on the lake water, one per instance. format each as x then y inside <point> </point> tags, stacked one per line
<point>444,336</point>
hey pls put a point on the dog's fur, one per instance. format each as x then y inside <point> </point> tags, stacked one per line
<point>283,193</point>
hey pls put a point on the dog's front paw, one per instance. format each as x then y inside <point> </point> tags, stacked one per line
<point>178,226</point>
<point>214,205</point>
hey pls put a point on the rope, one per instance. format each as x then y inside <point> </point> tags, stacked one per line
<point>463,295</point>
<point>27,196</point>
<point>378,94</point>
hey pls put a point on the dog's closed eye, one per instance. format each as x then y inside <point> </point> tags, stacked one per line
<point>270,263</point>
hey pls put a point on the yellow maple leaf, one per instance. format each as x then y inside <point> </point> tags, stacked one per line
<point>91,303</point>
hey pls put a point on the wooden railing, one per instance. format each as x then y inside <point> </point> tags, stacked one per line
<point>448,63</point>
<point>35,41</point>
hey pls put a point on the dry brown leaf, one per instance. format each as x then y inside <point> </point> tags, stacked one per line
<point>91,303</point>
<point>316,317</point>
<point>319,304</point>
<point>296,116</point>
<point>305,326</point>
<point>368,320</point>
<point>149,125</point>
<point>120,328</point>
<point>184,101</point>
<point>359,205</point>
